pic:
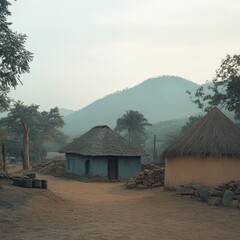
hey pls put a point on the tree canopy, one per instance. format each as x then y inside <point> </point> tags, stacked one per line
<point>14,58</point>
<point>133,124</point>
<point>28,123</point>
<point>224,90</point>
<point>191,121</point>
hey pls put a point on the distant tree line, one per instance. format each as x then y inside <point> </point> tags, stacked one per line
<point>26,128</point>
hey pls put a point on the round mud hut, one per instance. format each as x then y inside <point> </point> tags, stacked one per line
<point>103,153</point>
<point>208,153</point>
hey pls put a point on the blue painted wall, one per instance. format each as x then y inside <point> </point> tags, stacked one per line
<point>127,166</point>
<point>76,164</point>
<point>99,166</point>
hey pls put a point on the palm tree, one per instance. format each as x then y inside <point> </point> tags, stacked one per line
<point>133,123</point>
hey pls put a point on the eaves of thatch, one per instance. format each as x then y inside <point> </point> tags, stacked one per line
<point>103,141</point>
<point>214,135</point>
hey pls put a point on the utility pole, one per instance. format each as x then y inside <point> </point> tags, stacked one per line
<point>3,156</point>
<point>154,148</point>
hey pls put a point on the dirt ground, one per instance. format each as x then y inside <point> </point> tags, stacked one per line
<point>71,209</point>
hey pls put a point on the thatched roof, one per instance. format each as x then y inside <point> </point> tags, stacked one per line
<point>214,135</point>
<point>103,141</point>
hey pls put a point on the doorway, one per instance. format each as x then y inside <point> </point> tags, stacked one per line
<point>112,169</point>
<point>87,168</point>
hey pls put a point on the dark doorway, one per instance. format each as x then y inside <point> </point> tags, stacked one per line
<point>87,168</point>
<point>112,169</point>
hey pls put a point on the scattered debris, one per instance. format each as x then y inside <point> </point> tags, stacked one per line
<point>4,175</point>
<point>152,176</point>
<point>227,194</point>
<point>53,167</point>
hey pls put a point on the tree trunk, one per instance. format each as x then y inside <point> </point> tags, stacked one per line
<point>130,135</point>
<point>26,164</point>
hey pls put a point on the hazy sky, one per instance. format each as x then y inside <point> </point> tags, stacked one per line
<point>86,49</point>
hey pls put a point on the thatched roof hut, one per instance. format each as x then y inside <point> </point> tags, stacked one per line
<point>104,153</point>
<point>209,152</point>
<point>103,141</point>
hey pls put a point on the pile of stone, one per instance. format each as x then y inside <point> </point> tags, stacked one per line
<point>148,178</point>
<point>227,194</point>
<point>54,167</point>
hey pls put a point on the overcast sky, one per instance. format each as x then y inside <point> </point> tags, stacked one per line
<point>86,49</point>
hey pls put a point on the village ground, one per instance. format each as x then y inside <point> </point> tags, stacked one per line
<point>71,209</point>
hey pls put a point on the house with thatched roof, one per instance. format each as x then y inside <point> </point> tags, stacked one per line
<point>208,153</point>
<point>101,152</point>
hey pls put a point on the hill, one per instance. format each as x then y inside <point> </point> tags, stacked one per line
<point>159,99</point>
<point>65,112</point>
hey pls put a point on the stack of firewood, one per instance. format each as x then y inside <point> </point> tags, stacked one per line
<point>147,178</point>
<point>54,167</point>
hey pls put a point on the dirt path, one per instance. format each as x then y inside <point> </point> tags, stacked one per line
<point>83,211</point>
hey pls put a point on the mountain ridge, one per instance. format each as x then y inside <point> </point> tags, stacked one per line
<point>158,99</point>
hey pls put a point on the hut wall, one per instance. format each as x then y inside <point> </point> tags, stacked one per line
<point>207,171</point>
<point>99,167</point>
<point>128,167</point>
<point>75,164</point>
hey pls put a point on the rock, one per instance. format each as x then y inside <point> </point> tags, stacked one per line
<point>237,191</point>
<point>196,193</point>
<point>147,183</point>
<point>234,204</point>
<point>231,184</point>
<point>214,201</point>
<point>141,186</point>
<point>204,193</point>
<point>216,193</point>
<point>139,180</point>
<point>196,188</point>
<point>218,188</point>
<point>157,184</point>
<point>237,183</point>
<point>131,185</point>
<point>184,190</point>
<point>226,194</point>
<point>227,198</point>
<point>236,197</point>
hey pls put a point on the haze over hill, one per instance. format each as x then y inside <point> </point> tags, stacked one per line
<point>65,112</point>
<point>159,99</point>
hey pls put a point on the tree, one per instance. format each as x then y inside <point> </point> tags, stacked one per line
<point>225,88</point>
<point>191,121</point>
<point>35,127</point>
<point>133,124</point>
<point>14,58</point>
